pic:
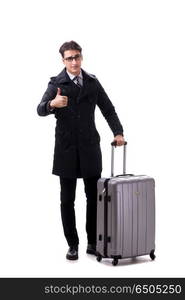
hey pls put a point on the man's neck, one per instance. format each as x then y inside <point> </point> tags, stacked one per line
<point>73,75</point>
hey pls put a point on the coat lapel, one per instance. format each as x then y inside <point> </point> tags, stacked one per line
<point>87,80</point>
<point>63,79</point>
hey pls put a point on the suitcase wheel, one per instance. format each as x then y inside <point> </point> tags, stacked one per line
<point>115,262</point>
<point>99,258</point>
<point>152,255</point>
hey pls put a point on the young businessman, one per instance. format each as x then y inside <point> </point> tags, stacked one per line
<point>72,97</point>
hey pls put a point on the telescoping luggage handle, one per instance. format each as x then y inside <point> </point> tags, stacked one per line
<point>114,144</point>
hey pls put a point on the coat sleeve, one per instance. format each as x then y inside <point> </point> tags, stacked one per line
<point>108,111</point>
<point>43,107</point>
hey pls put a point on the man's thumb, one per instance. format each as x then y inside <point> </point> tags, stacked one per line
<point>58,91</point>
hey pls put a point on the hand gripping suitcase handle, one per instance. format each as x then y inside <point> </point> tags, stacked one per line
<point>114,144</point>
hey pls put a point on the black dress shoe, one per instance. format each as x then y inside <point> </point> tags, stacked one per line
<point>72,253</point>
<point>91,249</point>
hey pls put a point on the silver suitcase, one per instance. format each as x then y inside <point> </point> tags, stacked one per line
<point>125,215</point>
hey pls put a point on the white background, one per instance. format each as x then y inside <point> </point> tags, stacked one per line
<point>137,51</point>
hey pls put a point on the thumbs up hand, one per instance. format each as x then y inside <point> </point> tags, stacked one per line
<point>59,101</point>
<point>58,91</point>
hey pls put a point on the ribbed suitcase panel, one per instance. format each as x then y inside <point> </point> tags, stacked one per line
<point>134,220</point>
<point>150,234</point>
<point>126,191</point>
<point>142,217</point>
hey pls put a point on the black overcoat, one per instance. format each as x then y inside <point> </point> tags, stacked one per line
<point>77,150</point>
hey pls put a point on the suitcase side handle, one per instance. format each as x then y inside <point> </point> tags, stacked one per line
<point>114,144</point>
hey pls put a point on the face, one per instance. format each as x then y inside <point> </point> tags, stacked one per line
<point>72,61</point>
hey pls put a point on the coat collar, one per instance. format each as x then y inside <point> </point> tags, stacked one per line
<point>63,77</point>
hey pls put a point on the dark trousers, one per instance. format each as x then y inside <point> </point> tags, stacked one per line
<point>67,196</point>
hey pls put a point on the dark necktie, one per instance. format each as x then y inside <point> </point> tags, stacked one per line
<point>77,81</point>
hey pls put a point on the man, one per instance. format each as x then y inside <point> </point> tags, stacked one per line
<point>71,97</point>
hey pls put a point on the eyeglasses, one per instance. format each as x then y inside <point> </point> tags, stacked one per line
<point>70,58</point>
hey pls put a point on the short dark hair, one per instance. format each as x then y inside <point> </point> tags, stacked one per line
<point>72,45</point>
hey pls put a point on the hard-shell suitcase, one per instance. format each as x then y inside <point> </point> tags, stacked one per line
<point>125,215</point>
